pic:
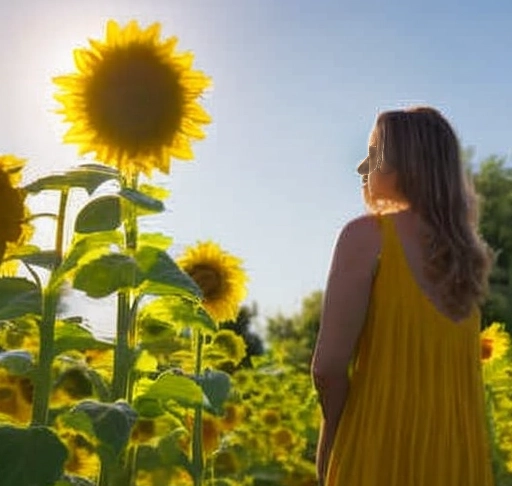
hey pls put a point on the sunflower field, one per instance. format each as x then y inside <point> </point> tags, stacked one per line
<point>169,401</point>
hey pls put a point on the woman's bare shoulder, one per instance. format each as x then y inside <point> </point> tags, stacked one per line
<point>363,231</point>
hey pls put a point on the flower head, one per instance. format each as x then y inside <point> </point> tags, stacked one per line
<point>495,342</point>
<point>82,457</point>
<point>15,396</point>
<point>133,101</point>
<point>219,275</point>
<point>14,229</point>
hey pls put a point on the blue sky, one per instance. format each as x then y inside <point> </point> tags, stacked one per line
<point>297,86</point>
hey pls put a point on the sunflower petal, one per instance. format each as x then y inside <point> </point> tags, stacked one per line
<point>70,81</point>
<point>152,33</point>
<point>198,113</point>
<point>190,129</point>
<point>183,61</point>
<point>113,32</point>
<point>85,60</point>
<point>131,33</point>
<point>181,148</point>
<point>167,47</point>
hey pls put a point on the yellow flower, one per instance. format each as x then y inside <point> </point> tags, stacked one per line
<point>102,360</point>
<point>220,277</point>
<point>82,458</point>
<point>283,438</point>
<point>225,463</point>
<point>226,350</point>
<point>233,416</point>
<point>14,229</point>
<point>211,434</point>
<point>15,397</point>
<point>133,101</point>
<point>72,386</point>
<point>271,418</point>
<point>495,342</point>
<point>143,431</point>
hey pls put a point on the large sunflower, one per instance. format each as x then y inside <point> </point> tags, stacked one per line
<point>220,277</point>
<point>495,342</point>
<point>14,228</point>
<point>133,101</point>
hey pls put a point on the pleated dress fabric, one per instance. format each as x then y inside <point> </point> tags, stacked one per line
<point>415,413</point>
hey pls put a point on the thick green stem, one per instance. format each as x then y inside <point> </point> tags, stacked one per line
<point>126,336</point>
<point>125,339</point>
<point>122,352</point>
<point>43,381</point>
<point>197,434</point>
<point>50,298</point>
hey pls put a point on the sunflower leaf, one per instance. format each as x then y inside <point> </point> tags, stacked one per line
<point>141,200</point>
<point>156,240</point>
<point>112,423</point>
<point>101,214</point>
<point>86,248</point>
<point>47,259</point>
<point>156,192</point>
<point>162,275</point>
<point>101,387</point>
<point>33,255</point>
<point>30,456</point>
<point>78,421</point>
<point>87,176</point>
<point>16,362</point>
<point>216,385</point>
<point>148,407</point>
<point>73,336</point>
<point>172,454</point>
<point>107,274</point>
<point>178,388</point>
<point>18,297</point>
<point>173,310</point>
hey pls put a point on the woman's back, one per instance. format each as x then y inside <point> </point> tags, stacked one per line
<point>415,413</point>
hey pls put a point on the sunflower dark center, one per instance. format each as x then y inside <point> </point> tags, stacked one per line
<point>134,99</point>
<point>209,280</point>
<point>11,212</point>
<point>486,348</point>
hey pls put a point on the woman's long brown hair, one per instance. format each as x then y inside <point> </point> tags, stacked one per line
<point>422,146</point>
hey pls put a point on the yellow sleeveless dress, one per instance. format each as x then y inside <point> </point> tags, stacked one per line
<point>415,413</point>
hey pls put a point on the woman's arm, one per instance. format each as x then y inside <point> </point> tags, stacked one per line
<point>343,315</point>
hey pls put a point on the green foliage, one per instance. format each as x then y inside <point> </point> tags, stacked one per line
<point>101,214</point>
<point>175,311</point>
<point>18,297</point>
<point>144,202</point>
<point>86,176</point>
<point>295,336</point>
<point>493,182</point>
<point>216,386</point>
<point>16,362</point>
<point>30,457</point>
<point>74,336</point>
<point>176,388</point>
<point>243,326</point>
<point>32,255</point>
<point>107,274</point>
<point>162,275</point>
<point>111,423</point>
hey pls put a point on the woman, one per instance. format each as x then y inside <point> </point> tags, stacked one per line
<point>397,360</point>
